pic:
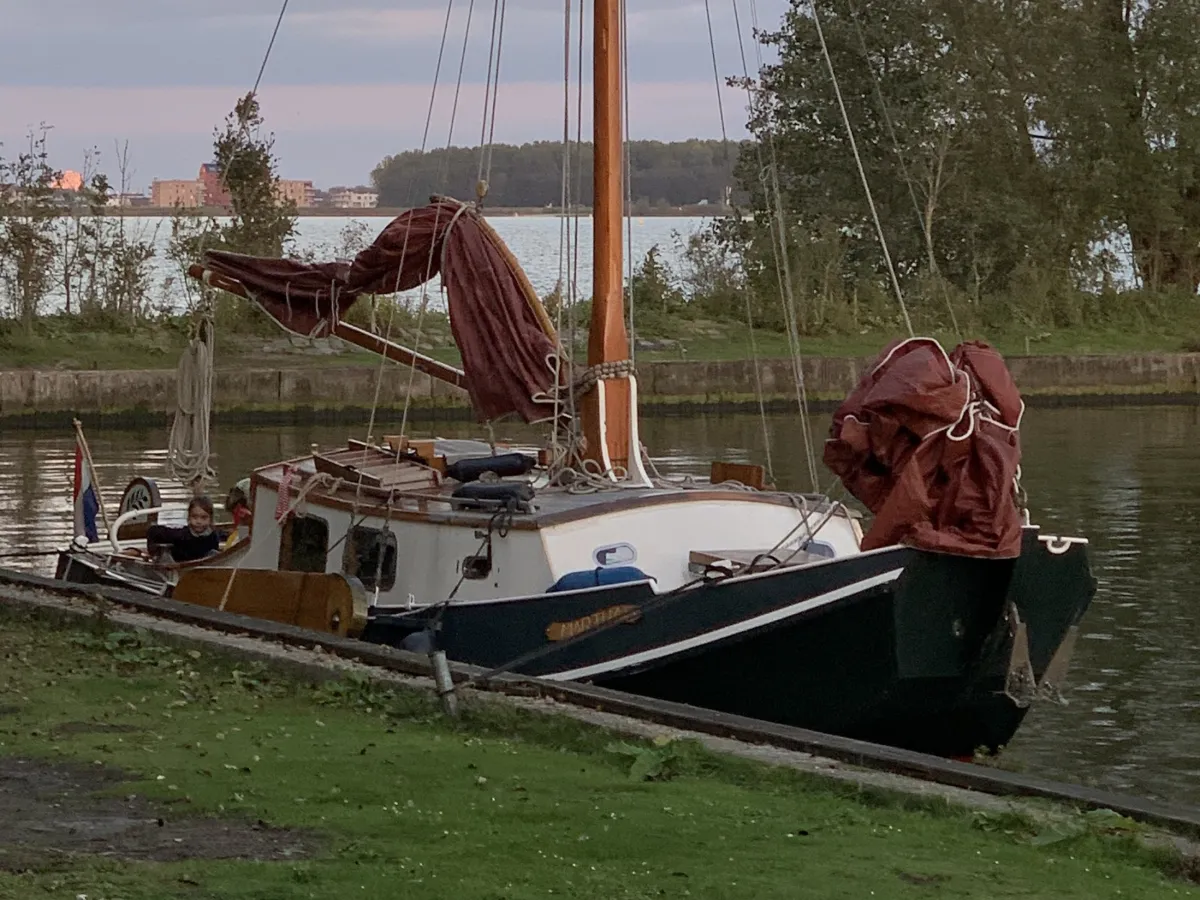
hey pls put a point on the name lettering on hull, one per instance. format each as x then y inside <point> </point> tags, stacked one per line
<point>560,631</point>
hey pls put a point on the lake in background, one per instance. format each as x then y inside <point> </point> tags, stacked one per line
<point>1127,478</point>
<point>535,240</point>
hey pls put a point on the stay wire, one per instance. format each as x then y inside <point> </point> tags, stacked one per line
<point>266,56</point>
<point>726,145</point>
<point>779,243</point>
<point>437,70</point>
<point>862,172</point>
<point>926,232</point>
<point>262,68</point>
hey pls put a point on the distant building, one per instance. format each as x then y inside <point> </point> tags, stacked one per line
<point>215,192</point>
<point>177,192</point>
<point>68,181</point>
<point>354,198</point>
<point>128,200</point>
<point>299,192</point>
<point>208,189</point>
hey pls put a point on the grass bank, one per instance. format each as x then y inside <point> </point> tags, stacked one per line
<point>132,769</point>
<point>64,342</point>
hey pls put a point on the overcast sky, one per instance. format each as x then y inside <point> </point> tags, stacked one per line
<point>348,81</point>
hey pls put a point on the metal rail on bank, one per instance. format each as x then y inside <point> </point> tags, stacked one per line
<point>969,776</point>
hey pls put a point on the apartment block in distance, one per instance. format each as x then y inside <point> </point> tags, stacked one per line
<point>214,186</point>
<point>354,198</point>
<point>176,192</point>
<point>301,193</point>
<point>208,189</point>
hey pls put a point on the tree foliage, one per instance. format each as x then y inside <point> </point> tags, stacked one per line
<point>530,175</point>
<point>59,243</point>
<point>27,235</point>
<point>1004,142</point>
<point>261,223</point>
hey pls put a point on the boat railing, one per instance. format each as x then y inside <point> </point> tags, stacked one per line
<point>131,514</point>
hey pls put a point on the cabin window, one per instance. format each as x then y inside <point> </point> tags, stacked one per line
<point>303,544</point>
<point>822,549</point>
<point>371,552</point>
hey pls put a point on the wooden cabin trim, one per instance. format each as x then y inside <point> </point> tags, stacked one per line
<point>621,501</point>
<point>368,504</point>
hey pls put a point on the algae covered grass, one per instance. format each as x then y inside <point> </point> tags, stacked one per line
<point>146,770</point>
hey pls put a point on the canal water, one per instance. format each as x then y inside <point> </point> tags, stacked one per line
<point>1127,478</point>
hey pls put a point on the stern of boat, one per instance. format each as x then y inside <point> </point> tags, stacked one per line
<point>998,633</point>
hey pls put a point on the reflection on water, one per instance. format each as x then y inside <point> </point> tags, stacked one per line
<point>1128,479</point>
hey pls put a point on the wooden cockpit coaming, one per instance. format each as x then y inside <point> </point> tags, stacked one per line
<point>551,505</point>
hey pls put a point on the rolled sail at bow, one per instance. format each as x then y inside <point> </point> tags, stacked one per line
<point>507,342</point>
<point>929,442</point>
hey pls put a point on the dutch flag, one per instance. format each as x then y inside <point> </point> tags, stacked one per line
<point>87,504</point>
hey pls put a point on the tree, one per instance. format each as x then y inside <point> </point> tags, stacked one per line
<point>27,229</point>
<point>530,175</point>
<point>262,223</point>
<point>1124,114</point>
<point>940,97</point>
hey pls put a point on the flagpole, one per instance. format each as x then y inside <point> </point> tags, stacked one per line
<point>87,458</point>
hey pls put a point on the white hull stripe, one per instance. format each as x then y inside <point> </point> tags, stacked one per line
<point>718,634</point>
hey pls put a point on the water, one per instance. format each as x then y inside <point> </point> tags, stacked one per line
<point>1129,479</point>
<point>535,240</point>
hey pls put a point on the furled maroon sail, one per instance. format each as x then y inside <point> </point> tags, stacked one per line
<point>930,444</point>
<point>506,340</point>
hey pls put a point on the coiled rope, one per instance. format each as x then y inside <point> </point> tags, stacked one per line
<point>188,446</point>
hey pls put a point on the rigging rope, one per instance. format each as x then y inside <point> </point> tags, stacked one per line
<point>270,45</point>
<point>926,228</point>
<point>462,62</point>
<point>188,446</point>
<point>258,80</point>
<point>627,177</point>
<point>779,246</point>
<point>490,93</point>
<point>725,143</point>
<point>572,194</point>
<point>383,359</point>
<point>862,172</point>
<point>564,236</point>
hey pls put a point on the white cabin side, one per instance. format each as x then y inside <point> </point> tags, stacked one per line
<point>423,561</point>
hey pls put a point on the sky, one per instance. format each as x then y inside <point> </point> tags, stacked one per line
<point>347,82</point>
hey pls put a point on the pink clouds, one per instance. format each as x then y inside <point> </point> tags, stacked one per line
<point>525,111</point>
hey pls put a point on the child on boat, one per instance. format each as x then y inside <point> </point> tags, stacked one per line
<point>195,540</point>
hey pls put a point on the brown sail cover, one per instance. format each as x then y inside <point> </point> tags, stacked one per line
<point>506,342</point>
<point>929,443</point>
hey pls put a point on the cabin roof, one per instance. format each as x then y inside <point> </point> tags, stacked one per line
<point>373,477</point>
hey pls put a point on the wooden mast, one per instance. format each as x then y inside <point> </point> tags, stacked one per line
<point>605,410</point>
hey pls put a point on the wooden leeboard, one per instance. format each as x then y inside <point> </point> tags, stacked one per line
<point>318,601</point>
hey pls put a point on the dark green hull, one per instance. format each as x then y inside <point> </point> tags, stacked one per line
<point>896,646</point>
<point>923,664</point>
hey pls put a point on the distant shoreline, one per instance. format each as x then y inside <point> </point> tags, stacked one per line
<point>707,210</point>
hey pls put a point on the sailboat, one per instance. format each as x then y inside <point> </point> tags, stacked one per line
<point>933,630</point>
